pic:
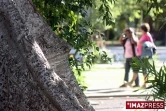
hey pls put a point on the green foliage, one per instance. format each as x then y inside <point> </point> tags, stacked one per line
<point>132,13</point>
<point>80,80</point>
<point>128,13</point>
<point>156,9</point>
<point>104,58</point>
<point>158,83</point>
<point>67,19</point>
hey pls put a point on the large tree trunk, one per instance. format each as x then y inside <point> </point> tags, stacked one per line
<point>34,67</point>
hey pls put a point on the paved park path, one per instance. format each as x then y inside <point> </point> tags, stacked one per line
<point>103,82</point>
<point>104,92</point>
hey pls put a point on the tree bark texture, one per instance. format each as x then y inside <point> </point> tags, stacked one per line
<point>34,67</point>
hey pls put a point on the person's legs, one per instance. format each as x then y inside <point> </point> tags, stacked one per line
<point>137,80</point>
<point>145,73</point>
<point>135,77</point>
<point>127,70</point>
<point>145,77</point>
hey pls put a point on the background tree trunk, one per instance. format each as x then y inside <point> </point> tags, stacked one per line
<point>27,46</point>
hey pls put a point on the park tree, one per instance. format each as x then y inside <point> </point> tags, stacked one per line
<point>70,21</point>
<point>34,69</point>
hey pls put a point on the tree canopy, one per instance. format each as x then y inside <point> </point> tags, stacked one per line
<point>76,20</point>
<point>67,18</point>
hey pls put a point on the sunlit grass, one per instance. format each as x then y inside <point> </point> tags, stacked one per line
<point>107,78</point>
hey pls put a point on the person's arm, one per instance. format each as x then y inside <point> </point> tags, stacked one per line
<point>143,39</point>
<point>121,39</point>
<point>134,40</point>
<point>140,42</point>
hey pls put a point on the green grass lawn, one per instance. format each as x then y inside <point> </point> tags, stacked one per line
<point>106,78</point>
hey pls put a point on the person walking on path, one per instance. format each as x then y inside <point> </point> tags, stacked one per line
<point>129,42</point>
<point>142,53</point>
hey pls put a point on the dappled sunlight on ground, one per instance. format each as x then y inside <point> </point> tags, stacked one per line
<point>106,78</point>
<point>103,91</point>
